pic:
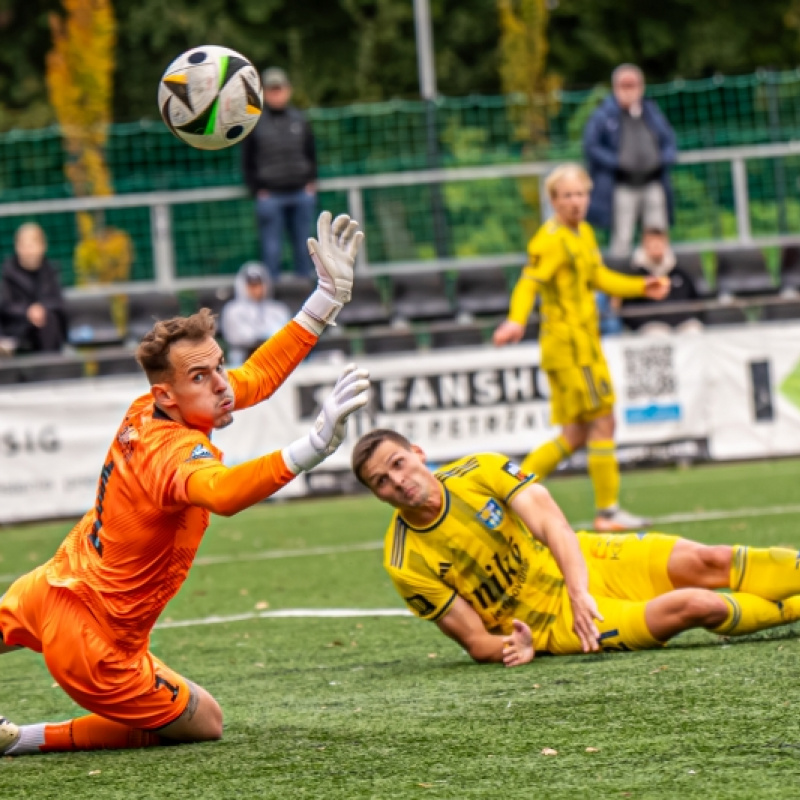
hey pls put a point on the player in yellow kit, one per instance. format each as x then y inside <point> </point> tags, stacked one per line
<point>564,269</point>
<point>483,551</point>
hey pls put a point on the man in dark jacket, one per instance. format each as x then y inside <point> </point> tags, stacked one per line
<point>31,302</point>
<point>629,147</point>
<point>279,164</point>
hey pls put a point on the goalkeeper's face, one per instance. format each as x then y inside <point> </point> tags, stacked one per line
<point>198,394</point>
<point>400,477</point>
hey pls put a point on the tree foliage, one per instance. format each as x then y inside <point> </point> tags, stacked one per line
<point>79,79</point>
<point>364,50</point>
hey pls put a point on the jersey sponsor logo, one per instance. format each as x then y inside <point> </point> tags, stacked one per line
<point>491,515</point>
<point>506,574</point>
<point>444,568</point>
<point>514,470</point>
<point>200,451</point>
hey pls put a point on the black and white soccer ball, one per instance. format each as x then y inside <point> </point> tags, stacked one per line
<point>210,97</point>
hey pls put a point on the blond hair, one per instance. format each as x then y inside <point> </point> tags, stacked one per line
<point>565,171</point>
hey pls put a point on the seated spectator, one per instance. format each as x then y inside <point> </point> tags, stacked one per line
<point>31,302</point>
<point>252,316</point>
<point>655,257</point>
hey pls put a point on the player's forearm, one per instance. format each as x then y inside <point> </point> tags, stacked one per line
<point>487,649</point>
<point>523,299</point>
<point>563,544</point>
<point>270,365</point>
<point>228,490</point>
<point>613,283</point>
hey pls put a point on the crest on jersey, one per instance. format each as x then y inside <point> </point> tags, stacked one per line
<point>491,515</point>
<point>514,470</point>
<point>200,451</point>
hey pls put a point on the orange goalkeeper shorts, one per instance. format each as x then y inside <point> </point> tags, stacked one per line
<point>133,688</point>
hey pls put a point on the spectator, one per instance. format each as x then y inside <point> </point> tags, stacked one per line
<point>252,316</point>
<point>279,164</point>
<point>629,147</point>
<point>31,302</point>
<point>655,257</point>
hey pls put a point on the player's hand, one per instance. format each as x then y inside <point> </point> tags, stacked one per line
<point>350,393</point>
<point>508,332</point>
<point>584,613</point>
<point>334,254</point>
<point>518,646</point>
<point>657,287</point>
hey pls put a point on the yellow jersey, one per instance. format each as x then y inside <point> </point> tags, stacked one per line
<point>564,268</point>
<point>477,548</point>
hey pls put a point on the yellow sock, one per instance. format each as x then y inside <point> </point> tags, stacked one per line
<point>749,613</point>
<point>770,572</point>
<point>545,459</point>
<point>604,472</point>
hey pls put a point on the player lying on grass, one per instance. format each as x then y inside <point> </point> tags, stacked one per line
<point>90,609</point>
<point>483,551</point>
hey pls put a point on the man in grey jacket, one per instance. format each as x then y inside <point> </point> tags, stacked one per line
<point>252,316</point>
<point>279,166</point>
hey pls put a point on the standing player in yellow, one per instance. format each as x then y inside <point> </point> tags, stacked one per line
<point>564,268</point>
<point>483,551</point>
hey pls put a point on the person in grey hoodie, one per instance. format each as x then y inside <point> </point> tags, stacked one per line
<point>252,316</point>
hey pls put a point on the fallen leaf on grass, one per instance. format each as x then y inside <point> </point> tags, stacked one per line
<point>536,686</point>
<point>548,751</point>
<point>244,592</point>
<point>432,655</point>
<point>95,771</point>
<point>335,643</point>
<point>258,664</point>
<point>261,605</point>
<point>592,749</point>
<point>658,669</point>
<point>426,785</point>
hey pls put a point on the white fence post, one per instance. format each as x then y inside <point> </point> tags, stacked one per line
<point>741,200</point>
<point>163,246</point>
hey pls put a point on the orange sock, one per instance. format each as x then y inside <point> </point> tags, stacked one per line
<point>95,733</point>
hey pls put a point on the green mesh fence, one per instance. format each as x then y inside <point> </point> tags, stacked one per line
<point>481,218</point>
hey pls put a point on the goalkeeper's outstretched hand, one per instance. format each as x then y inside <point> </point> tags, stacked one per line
<point>334,255</point>
<point>350,393</point>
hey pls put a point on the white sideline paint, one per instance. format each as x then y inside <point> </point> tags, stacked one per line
<point>266,555</point>
<point>289,613</point>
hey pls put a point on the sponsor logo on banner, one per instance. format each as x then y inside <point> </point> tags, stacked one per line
<point>450,405</point>
<point>650,375</point>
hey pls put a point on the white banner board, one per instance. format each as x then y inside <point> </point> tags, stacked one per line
<point>722,394</point>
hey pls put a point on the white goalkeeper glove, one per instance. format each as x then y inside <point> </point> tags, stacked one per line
<point>334,255</point>
<point>350,393</point>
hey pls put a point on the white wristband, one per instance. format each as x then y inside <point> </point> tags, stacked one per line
<point>301,455</point>
<point>322,307</point>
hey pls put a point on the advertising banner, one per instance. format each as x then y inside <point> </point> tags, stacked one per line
<point>720,394</point>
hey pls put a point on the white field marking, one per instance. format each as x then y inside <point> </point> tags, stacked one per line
<point>708,516</point>
<point>289,613</point>
<point>265,555</point>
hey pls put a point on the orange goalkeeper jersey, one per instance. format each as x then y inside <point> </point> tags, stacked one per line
<point>130,554</point>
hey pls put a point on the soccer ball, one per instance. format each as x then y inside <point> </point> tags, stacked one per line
<point>210,97</point>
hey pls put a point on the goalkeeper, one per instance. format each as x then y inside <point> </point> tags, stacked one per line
<point>90,609</point>
<point>565,267</point>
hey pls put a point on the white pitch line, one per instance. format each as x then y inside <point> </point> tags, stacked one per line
<point>708,516</point>
<point>266,555</point>
<point>289,613</point>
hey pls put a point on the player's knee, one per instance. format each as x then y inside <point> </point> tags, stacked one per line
<point>703,608</point>
<point>715,558</point>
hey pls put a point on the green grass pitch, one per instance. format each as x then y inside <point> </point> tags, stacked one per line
<point>375,707</point>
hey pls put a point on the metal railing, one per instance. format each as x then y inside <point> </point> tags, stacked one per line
<point>160,205</point>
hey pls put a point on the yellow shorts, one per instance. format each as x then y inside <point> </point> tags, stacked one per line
<point>134,688</point>
<point>580,394</point>
<point>626,571</point>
